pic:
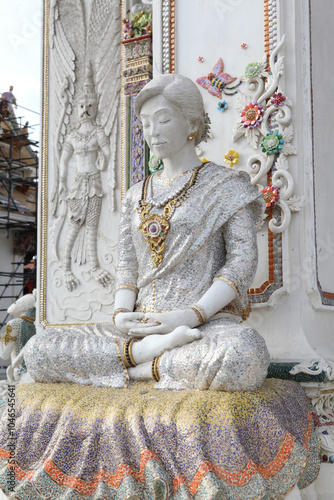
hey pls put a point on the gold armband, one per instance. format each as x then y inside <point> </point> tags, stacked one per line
<point>199,313</point>
<point>119,310</point>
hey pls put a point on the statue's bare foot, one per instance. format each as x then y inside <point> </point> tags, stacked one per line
<point>102,276</point>
<point>71,281</point>
<point>155,345</point>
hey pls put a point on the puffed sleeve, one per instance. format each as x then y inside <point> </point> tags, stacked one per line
<point>241,256</point>
<point>127,270</point>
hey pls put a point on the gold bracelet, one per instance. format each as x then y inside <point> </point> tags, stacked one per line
<point>132,361</point>
<point>127,353</point>
<point>154,369</point>
<point>119,310</point>
<point>124,353</point>
<point>199,313</point>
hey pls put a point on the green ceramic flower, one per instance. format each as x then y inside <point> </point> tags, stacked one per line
<point>272,143</point>
<point>252,69</point>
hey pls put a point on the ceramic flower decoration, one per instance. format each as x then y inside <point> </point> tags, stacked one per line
<point>277,99</point>
<point>256,69</point>
<point>155,164</point>
<point>251,115</point>
<point>252,69</point>
<point>244,46</point>
<point>271,196</point>
<point>222,106</point>
<point>271,127</point>
<point>140,24</point>
<point>216,82</point>
<point>272,143</point>
<point>232,158</point>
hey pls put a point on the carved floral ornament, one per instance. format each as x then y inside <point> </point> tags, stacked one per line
<point>322,399</point>
<point>265,122</point>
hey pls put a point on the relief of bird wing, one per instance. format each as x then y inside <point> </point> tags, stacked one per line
<point>104,53</point>
<point>65,54</point>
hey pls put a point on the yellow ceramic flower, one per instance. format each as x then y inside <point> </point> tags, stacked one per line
<point>232,157</point>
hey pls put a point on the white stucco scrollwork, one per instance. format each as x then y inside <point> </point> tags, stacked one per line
<point>315,367</point>
<point>261,87</point>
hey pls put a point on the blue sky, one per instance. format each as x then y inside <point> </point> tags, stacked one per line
<point>21,44</point>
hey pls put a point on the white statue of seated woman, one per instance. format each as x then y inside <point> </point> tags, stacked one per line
<point>187,255</point>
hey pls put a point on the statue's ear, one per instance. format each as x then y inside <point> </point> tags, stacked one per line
<point>191,126</point>
<point>194,125</point>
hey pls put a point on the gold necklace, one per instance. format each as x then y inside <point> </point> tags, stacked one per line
<point>170,180</point>
<point>154,226</point>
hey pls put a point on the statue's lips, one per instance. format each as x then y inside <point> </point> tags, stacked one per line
<point>158,143</point>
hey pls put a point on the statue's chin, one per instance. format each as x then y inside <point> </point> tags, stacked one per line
<point>86,119</point>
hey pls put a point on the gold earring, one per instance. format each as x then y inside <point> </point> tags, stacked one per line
<point>191,136</point>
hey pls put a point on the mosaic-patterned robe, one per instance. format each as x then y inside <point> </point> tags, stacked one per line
<point>211,236</point>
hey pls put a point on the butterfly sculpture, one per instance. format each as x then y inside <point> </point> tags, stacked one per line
<point>216,82</point>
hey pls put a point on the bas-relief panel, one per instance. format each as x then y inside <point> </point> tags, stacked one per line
<point>322,38</point>
<point>81,107</point>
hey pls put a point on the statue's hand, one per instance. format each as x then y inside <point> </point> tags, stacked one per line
<point>127,321</point>
<point>163,322</point>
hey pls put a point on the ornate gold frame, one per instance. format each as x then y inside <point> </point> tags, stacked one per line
<point>42,216</point>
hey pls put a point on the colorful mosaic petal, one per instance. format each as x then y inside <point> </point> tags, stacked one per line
<point>74,440</point>
<point>252,115</point>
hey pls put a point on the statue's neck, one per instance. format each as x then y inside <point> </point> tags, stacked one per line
<point>182,161</point>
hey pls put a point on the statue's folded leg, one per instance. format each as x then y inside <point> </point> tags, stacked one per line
<point>87,355</point>
<point>229,357</point>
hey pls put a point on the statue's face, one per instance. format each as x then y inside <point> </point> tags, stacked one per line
<point>165,128</point>
<point>87,108</point>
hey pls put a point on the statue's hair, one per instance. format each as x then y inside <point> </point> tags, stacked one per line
<point>182,93</point>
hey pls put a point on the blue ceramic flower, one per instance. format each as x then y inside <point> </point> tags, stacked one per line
<point>222,106</point>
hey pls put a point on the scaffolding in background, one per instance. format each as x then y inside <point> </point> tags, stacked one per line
<point>18,204</point>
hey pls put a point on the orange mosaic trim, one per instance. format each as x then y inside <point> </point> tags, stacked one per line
<point>266,32</point>
<point>328,295</point>
<point>271,278</point>
<point>86,487</point>
<point>236,478</point>
<point>280,459</point>
<point>179,481</point>
<point>115,480</point>
<point>271,274</point>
